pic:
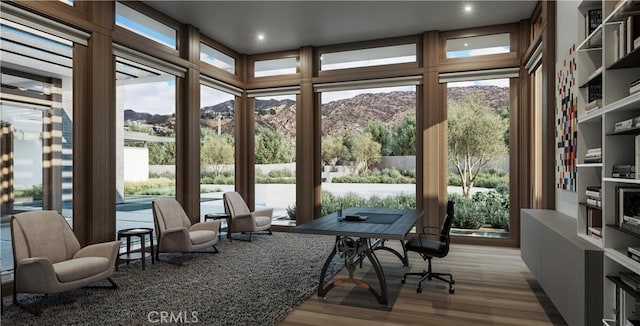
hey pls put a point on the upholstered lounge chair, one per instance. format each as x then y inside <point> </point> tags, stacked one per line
<point>48,259</point>
<point>242,219</point>
<point>175,232</point>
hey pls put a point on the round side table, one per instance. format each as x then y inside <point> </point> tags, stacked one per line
<point>219,216</point>
<point>142,255</point>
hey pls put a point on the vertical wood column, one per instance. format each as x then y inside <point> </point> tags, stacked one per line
<point>308,161</point>
<point>188,126</point>
<point>434,133</point>
<point>548,104</point>
<point>94,177</point>
<point>245,149</point>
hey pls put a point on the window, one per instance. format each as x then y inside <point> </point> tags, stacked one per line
<point>145,141</point>
<point>368,148</point>
<point>478,153</point>
<point>36,123</point>
<point>217,58</point>
<point>275,156</point>
<point>217,148</point>
<point>478,45</point>
<point>368,57</point>
<point>274,67</point>
<point>146,26</point>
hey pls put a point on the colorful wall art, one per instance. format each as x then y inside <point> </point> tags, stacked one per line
<point>566,121</point>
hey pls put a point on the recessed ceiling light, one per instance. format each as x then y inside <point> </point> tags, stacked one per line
<point>260,37</point>
<point>468,8</point>
<point>466,44</point>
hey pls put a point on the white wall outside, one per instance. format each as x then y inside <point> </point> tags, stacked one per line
<point>136,163</point>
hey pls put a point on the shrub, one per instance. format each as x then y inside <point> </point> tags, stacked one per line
<point>494,206</point>
<point>489,179</point>
<point>291,211</point>
<point>35,192</point>
<point>331,203</point>
<point>387,176</point>
<point>467,215</point>
<point>149,187</point>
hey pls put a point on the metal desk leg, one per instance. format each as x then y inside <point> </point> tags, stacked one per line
<point>403,257</point>
<point>351,250</point>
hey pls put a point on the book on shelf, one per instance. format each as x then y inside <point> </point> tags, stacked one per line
<point>629,206</point>
<point>593,105</point>
<point>631,220</point>
<point>594,91</point>
<point>634,250</point>
<point>625,171</point>
<point>595,232</point>
<point>592,194</point>
<point>637,154</point>
<point>593,155</point>
<point>594,202</point>
<point>631,228</point>
<point>633,256</point>
<point>623,125</point>
<point>593,20</point>
<point>634,89</point>
<point>631,279</point>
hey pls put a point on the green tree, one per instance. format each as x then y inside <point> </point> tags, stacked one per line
<point>273,147</point>
<point>380,134</point>
<point>333,149</point>
<point>365,150</point>
<point>217,151</point>
<point>162,153</point>
<point>475,136</point>
<point>404,135</point>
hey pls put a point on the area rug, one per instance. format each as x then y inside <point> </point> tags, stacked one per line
<point>247,283</point>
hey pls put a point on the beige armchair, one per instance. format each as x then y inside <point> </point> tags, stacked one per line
<point>48,259</point>
<point>175,232</point>
<point>241,219</point>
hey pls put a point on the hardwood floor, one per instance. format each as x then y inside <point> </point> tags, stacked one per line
<point>493,287</point>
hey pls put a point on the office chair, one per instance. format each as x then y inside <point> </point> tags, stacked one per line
<point>428,249</point>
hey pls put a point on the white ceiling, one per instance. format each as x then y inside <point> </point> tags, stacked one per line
<point>289,25</point>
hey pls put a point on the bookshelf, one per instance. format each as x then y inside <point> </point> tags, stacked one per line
<point>608,59</point>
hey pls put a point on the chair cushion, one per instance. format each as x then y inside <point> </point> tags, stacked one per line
<point>201,236</point>
<point>428,247</point>
<point>80,268</point>
<point>263,221</point>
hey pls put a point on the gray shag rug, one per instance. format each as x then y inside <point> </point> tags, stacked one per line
<point>247,283</point>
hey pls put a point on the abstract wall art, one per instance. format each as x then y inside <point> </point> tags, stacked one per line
<point>566,121</point>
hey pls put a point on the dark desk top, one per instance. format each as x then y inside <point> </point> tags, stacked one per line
<point>385,223</point>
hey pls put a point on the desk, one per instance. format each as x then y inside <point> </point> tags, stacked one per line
<point>354,242</point>
<point>142,255</point>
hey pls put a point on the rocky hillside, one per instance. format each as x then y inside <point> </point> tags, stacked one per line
<point>338,117</point>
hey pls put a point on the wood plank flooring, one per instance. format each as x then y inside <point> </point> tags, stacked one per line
<point>493,287</point>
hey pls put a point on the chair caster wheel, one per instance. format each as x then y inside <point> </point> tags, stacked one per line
<point>403,281</point>
<point>453,282</point>
<point>452,291</point>
<point>419,290</point>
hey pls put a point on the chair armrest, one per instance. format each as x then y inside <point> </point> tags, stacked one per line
<point>36,274</point>
<point>243,222</point>
<point>106,249</point>
<point>206,226</point>
<point>264,212</point>
<point>175,235</point>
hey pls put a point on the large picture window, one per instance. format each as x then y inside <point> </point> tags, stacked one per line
<point>36,123</point>
<point>145,141</point>
<point>478,142</point>
<point>217,148</point>
<point>369,148</point>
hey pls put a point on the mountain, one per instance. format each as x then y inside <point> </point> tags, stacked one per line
<point>338,117</point>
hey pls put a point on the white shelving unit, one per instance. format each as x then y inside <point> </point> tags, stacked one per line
<point>600,62</point>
